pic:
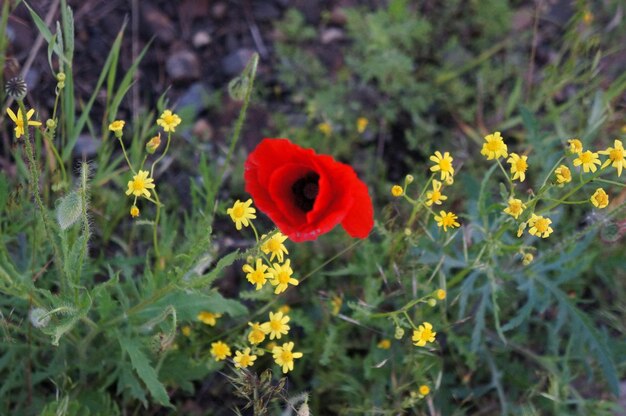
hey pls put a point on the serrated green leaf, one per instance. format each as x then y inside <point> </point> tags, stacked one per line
<point>189,304</point>
<point>207,279</point>
<point>586,331</point>
<point>145,371</point>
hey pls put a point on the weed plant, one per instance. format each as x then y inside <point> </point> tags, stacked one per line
<point>491,280</point>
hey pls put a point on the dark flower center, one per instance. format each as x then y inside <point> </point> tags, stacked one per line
<point>305,191</point>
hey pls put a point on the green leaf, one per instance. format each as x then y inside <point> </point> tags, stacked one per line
<point>189,304</point>
<point>126,83</point>
<point>69,313</point>
<point>82,120</point>
<point>69,210</point>
<point>45,32</point>
<point>484,191</point>
<point>145,371</point>
<point>586,331</point>
<point>207,279</point>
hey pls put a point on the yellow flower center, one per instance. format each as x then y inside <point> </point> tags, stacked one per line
<point>493,146</point>
<point>286,356</point>
<point>276,325</point>
<point>139,184</point>
<point>426,334</point>
<point>169,119</point>
<point>602,199</point>
<point>616,155</point>
<point>257,276</point>
<point>445,165</point>
<point>515,207</point>
<point>282,277</point>
<point>244,361</point>
<point>542,225</point>
<point>521,165</point>
<point>238,211</point>
<point>273,245</point>
<point>436,196</point>
<point>586,157</point>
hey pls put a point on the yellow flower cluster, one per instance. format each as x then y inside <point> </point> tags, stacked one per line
<point>274,328</point>
<point>142,182</point>
<point>587,160</point>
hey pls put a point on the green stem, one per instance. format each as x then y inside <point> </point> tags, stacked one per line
<point>167,147</point>
<point>126,156</point>
<point>155,234</point>
<point>34,184</point>
<point>570,193</point>
<point>609,182</point>
<point>250,72</point>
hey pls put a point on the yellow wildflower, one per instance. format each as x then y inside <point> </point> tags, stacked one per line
<point>617,157</point>
<point>361,124</point>
<point>169,121</point>
<point>528,258</point>
<point>588,160</point>
<point>600,199</point>
<point>281,276</point>
<point>186,330</point>
<point>325,128</point>
<point>284,356</point>
<point>494,146</point>
<point>244,359</point>
<point>116,127</point>
<point>153,144</point>
<point>134,211</point>
<point>575,146</point>
<point>140,184</point>
<point>220,350</point>
<point>275,246</point>
<point>241,213</point>
<point>284,309</point>
<point>435,196</point>
<point>257,275</point>
<point>447,219</point>
<point>19,120</point>
<point>563,174</point>
<point>384,344</point>
<point>257,334</point>
<point>209,318</point>
<point>441,294</point>
<point>587,17</point>
<point>423,334</point>
<point>443,164</point>
<point>539,226</point>
<point>397,191</point>
<point>276,326</point>
<point>336,303</point>
<point>518,166</point>
<point>424,390</point>
<point>515,208</point>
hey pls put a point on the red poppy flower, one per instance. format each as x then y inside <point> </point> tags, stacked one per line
<point>307,194</point>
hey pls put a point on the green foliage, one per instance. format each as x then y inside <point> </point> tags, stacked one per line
<point>99,313</point>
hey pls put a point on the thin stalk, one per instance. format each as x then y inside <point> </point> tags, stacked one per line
<point>34,184</point>
<point>250,72</point>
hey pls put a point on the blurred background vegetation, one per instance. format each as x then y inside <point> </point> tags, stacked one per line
<point>380,85</point>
